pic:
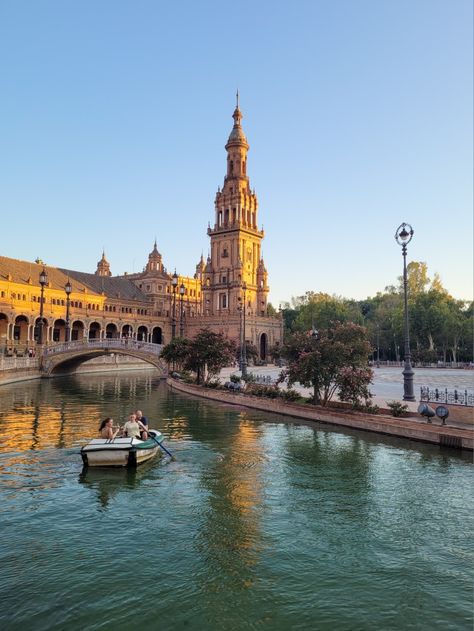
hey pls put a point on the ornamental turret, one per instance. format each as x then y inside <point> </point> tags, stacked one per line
<point>103,267</point>
<point>155,263</point>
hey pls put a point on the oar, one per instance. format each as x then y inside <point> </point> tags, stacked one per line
<point>162,446</point>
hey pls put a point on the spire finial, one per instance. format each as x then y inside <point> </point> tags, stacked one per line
<point>237,98</point>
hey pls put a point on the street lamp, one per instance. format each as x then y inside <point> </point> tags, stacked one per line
<point>68,290</point>
<point>403,236</point>
<point>174,283</point>
<point>43,280</point>
<point>243,346</point>
<point>181,297</point>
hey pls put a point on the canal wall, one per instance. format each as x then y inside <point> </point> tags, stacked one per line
<point>16,369</point>
<point>409,428</point>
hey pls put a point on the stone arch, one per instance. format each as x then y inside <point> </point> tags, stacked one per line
<point>4,323</point>
<point>111,331</point>
<point>263,346</point>
<point>127,330</point>
<point>59,330</point>
<point>157,335</point>
<point>68,362</point>
<point>77,330</point>
<point>142,333</point>
<point>20,329</point>
<point>94,330</point>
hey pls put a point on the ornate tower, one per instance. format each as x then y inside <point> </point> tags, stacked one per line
<point>155,263</point>
<point>235,258</point>
<point>103,267</point>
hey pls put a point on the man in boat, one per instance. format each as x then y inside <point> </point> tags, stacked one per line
<point>133,428</point>
<point>143,420</point>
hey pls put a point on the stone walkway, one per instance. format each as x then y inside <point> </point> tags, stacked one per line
<point>388,383</point>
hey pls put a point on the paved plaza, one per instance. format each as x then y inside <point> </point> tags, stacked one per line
<point>388,381</point>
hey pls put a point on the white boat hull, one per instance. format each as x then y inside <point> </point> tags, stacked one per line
<point>120,452</point>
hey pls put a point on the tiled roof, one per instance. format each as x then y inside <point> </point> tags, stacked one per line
<point>28,273</point>
<point>111,286</point>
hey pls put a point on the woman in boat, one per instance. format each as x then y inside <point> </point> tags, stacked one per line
<point>106,429</point>
<point>133,428</point>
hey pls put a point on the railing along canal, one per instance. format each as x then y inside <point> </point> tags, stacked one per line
<point>112,343</point>
<point>443,395</point>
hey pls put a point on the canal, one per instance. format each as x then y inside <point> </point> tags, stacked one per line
<point>256,524</point>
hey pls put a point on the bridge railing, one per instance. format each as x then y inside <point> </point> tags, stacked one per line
<point>117,343</point>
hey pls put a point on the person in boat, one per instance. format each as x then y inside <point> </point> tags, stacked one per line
<point>106,429</point>
<point>143,420</point>
<point>134,428</point>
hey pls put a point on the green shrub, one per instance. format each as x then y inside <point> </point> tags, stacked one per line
<point>290,394</point>
<point>396,408</point>
<point>260,390</point>
<point>235,378</point>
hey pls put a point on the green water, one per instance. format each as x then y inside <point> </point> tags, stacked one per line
<point>257,523</point>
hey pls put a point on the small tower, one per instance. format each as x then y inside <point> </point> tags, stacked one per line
<point>155,263</point>
<point>262,288</point>
<point>103,267</point>
<point>200,269</point>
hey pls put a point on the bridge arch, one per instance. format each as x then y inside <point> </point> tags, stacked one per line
<point>66,357</point>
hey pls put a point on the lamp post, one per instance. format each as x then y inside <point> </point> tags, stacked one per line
<point>403,236</point>
<point>174,284</point>
<point>181,298</point>
<point>68,290</point>
<point>43,280</point>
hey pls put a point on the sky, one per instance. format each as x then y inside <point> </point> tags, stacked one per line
<point>359,114</point>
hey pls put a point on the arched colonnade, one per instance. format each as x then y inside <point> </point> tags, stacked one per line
<point>24,330</point>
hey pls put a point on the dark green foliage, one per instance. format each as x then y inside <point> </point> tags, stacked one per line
<point>290,394</point>
<point>441,327</point>
<point>396,408</point>
<point>334,360</point>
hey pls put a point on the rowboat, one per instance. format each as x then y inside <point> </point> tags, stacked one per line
<point>121,452</point>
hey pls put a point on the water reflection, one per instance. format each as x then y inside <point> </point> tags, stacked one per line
<point>106,483</point>
<point>258,523</point>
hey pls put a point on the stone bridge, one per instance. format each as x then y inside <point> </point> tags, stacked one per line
<point>66,356</point>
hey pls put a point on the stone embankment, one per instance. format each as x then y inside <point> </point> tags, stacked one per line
<point>16,369</point>
<point>410,428</point>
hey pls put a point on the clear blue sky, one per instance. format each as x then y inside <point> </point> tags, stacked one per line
<point>114,116</point>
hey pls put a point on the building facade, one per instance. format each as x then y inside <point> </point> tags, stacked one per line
<point>227,290</point>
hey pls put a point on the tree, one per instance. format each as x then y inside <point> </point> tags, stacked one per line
<point>417,278</point>
<point>211,350</point>
<point>176,352</point>
<point>334,360</point>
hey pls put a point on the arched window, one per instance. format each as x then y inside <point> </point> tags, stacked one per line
<point>231,166</point>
